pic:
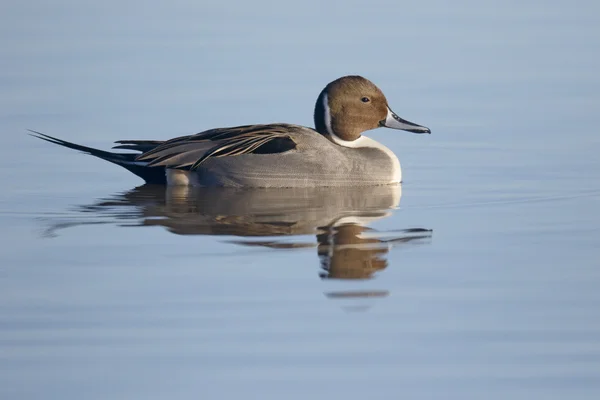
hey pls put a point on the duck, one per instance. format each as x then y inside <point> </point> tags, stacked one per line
<point>335,153</point>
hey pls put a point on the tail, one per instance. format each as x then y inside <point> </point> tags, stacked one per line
<point>128,161</point>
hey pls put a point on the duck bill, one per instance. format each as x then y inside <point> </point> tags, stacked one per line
<point>395,122</point>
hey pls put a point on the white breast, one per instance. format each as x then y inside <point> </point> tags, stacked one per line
<point>364,142</point>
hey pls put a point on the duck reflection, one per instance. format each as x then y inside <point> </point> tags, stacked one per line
<point>273,218</point>
<point>352,251</point>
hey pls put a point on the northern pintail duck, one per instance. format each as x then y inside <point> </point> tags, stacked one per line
<point>335,153</point>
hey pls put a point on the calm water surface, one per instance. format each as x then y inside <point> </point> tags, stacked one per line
<point>478,278</point>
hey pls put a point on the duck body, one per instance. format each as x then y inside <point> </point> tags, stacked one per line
<point>314,161</point>
<point>335,153</point>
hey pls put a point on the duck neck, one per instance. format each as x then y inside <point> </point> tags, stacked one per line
<point>338,131</point>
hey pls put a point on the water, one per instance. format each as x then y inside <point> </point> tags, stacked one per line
<point>478,278</point>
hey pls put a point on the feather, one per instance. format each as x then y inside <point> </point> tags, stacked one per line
<point>191,151</point>
<point>138,145</point>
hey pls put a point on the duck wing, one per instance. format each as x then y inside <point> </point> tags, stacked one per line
<point>189,152</point>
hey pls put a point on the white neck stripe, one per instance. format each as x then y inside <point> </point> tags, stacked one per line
<point>327,115</point>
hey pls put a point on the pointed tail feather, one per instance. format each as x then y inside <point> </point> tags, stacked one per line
<point>138,145</point>
<point>125,160</point>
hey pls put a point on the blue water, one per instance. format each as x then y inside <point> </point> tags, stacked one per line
<point>478,278</point>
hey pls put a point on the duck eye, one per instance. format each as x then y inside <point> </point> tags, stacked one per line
<point>365,99</point>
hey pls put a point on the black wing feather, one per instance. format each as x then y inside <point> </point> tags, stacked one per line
<point>221,142</point>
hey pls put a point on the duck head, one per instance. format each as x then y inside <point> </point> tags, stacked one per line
<point>351,105</point>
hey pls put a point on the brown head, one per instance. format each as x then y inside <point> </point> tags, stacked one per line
<point>351,105</point>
